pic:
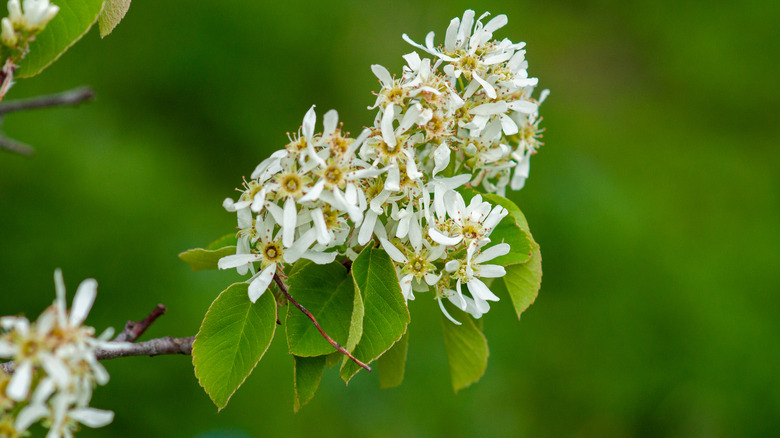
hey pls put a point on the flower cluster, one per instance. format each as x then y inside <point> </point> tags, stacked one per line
<point>464,116</point>
<point>55,367</point>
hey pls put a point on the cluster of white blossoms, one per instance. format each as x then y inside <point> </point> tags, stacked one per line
<point>462,117</point>
<point>55,367</point>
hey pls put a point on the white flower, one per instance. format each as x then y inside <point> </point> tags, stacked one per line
<point>472,223</point>
<point>470,271</point>
<point>55,358</point>
<point>416,264</point>
<point>268,249</point>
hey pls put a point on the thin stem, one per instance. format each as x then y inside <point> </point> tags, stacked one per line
<point>133,330</point>
<point>70,97</point>
<point>308,314</point>
<point>153,347</point>
<point>123,346</point>
<point>16,146</point>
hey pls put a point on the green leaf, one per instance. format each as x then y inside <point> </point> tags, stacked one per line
<point>513,229</point>
<point>386,315</point>
<point>71,23</point>
<point>224,241</point>
<point>201,259</point>
<point>467,350</point>
<point>233,337</point>
<point>333,359</point>
<point>113,12</point>
<point>297,267</point>
<point>391,364</point>
<point>356,322</point>
<point>327,292</point>
<point>308,373</point>
<point>524,281</point>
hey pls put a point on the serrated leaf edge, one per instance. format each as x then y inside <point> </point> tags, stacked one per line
<point>195,367</point>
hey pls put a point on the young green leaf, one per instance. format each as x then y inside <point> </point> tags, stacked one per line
<point>71,23</point>
<point>307,376</point>
<point>386,315</point>
<point>113,12</point>
<point>523,281</point>
<point>356,323</point>
<point>201,259</point>
<point>467,350</point>
<point>327,292</point>
<point>334,358</point>
<point>391,364</point>
<point>233,337</point>
<point>512,229</point>
<point>224,241</point>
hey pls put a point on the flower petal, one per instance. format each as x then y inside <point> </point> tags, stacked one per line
<point>393,251</point>
<point>330,122</point>
<point>491,271</point>
<point>320,258</point>
<point>493,252</point>
<point>480,290</point>
<point>29,416</point>
<point>82,302</point>
<point>289,222</point>
<point>442,239</point>
<point>447,314</point>
<point>259,285</point>
<point>236,260</point>
<point>367,227</point>
<point>92,417</point>
<point>293,253</point>
<point>19,385</point>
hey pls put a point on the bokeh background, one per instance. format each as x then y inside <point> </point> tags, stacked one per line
<point>656,201</point>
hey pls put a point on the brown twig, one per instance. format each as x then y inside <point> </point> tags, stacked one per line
<point>133,330</point>
<point>153,347</point>
<point>123,345</point>
<point>70,97</point>
<point>16,146</point>
<point>308,314</point>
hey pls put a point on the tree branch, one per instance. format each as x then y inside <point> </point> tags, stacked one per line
<point>16,146</point>
<point>154,347</point>
<point>123,345</point>
<point>308,314</point>
<point>133,330</point>
<point>70,97</point>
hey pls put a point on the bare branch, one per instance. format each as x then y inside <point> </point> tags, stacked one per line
<point>15,146</point>
<point>133,330</point>
<point>153,347</point>
<point>70,97</point>
<point>308,314</point>
<point>124,346</point>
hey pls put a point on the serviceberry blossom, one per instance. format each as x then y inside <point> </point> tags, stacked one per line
<point>56,368</point>
<point>462,115</point>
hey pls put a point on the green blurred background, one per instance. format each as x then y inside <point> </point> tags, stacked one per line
<point>655,200</point>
